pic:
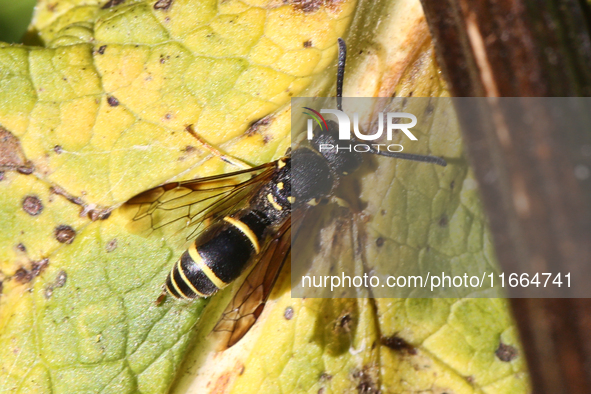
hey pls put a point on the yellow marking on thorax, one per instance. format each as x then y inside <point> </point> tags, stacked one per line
<point>273,202</point>
<point>291,199</point>
<point>186,280</point>
<point>246,231</point>
<point>280,186</point>
<point>280,163</point>
<point>194,253</point>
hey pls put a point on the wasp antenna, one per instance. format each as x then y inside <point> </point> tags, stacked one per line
<point>341,72</point>
<point>410,156</point>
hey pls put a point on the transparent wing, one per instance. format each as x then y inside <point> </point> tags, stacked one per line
<point>175,207</point>
<point>249,301</point>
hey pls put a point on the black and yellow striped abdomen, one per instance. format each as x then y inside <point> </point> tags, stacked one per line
<point>218,256</point>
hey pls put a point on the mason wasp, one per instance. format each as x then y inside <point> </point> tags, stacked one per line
<point>245,217</point>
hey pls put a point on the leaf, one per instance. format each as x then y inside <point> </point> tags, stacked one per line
<point>99,111</point>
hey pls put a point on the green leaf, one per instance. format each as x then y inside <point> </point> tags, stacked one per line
<point>98,112</point>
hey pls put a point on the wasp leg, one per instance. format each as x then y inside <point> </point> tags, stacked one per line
<point>216,152</point>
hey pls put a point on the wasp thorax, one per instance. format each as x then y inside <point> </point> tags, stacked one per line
<point>341,158</point>
<point>281,183</point>
<point>311,176</point>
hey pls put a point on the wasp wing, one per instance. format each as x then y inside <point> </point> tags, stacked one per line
<point>174,207</point>
<point>249,301</point>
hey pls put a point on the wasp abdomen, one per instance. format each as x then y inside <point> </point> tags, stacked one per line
<point>187,280</point>
<point>218,256</point>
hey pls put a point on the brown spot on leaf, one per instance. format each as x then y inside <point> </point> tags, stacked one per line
<point>288,314</point>
<point>112,3</point>
<point>101,50</point>
<point>25,170</point>
<point>443,221</point>
<point>58,149</point>
<point>324,377</point>
<point>23,275</point>
<point>380,242</point>
<point>113,102</point>
<point>48,292</point>
<point>398,344</point>
<point>98,214</point>
<point>20,247</point>
<point>506,353</point>
<point>452,185</point>
<point>65,234</point>
<point>39,266</point>
<point>11,154</point>
<point>256,126</point>
<point>59,281</point>
<point>162,4</point>
<point>221,384</point>
<point>111,245</point>
<point>306,6</point>
<point>344,322</point>
<point>61,192</point>
<point>32,205</point>
<point>307,43</point>
<point>367,380</point>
